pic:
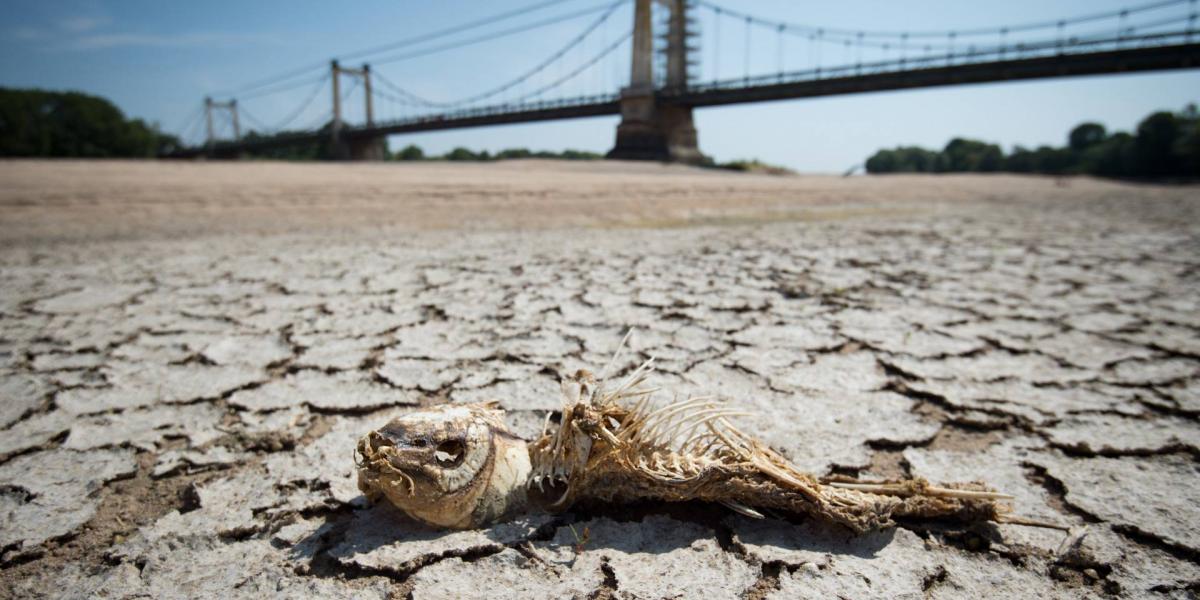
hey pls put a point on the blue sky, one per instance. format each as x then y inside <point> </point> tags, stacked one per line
<point>157,60</point>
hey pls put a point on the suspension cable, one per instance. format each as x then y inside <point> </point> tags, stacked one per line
<point>316,90</point>
<point>346,94</point>
<point>840,36</point>
<point>606,51</point>
<point>315,124</point>
<point>808,29</point>
<point>193,132</point>
<point>581,68</point>
<point>292,74</point>
<point>189,123</point>
<point>406,96</point>
<point>284,87</point>
<point>394,98</point>
<point>540,67</point>
<point>493,36</point>
<point>245,114</point>
<point>545,63</point>
<point>453,30</point>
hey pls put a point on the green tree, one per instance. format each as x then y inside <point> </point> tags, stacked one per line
<point>1154,145</point>
<point>1021,160</point>
<point>71,124</point>
<point>321,149</point>
<point>1114,157</point>
<point>1187,146</point>
<point>570,154</point>
<point>971,155</point>
<point>883,161</point>
<point>410,152</point>
<point>460,153</point>
<point>904,159</point>
<point>510,153</point>
<point>1165,145</point>
<point>1052,161</point>
<point>990,159</point>
<point>1086,135</point>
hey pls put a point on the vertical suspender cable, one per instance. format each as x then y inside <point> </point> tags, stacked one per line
<point>746,58</point>
<point>1121,27</point>
<point>858,54</point>
<point>779,51</point>
<point>817,54</point>
<point>717,45</point>
<point>1191,19</point>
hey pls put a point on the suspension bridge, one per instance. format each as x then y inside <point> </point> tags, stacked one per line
<point>651,70</point>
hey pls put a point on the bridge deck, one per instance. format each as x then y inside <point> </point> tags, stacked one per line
<point>1155,58</point>
<point>1064,65</point>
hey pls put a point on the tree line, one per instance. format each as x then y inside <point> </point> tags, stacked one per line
<point>38,123</point>
<point>322,150</point>
<point>73,124</point>
<point>414,152</point>
<point>1165,145</point>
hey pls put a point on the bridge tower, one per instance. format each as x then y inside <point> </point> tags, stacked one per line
<point>210,141</point>
<point>231,106</point>
<point>653,129</point>
<point>356,147</point>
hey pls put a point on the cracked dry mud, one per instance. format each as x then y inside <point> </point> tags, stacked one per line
<point>188,351</point>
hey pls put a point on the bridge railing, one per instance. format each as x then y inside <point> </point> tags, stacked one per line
<point>490,111</point>
<point>968,56</point>
<point>971,55</point>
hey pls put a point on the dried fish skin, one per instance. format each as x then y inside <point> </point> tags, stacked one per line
<point>458,466</point>
<point>453,466</point>
<point>612,446</point>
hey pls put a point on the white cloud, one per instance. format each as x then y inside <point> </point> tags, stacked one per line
<point>199,39</point>
<point>82,23</point>
<point>25,34</point>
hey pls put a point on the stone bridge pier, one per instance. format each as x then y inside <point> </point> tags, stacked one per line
<point>360,148</point>
<point>652,129</point>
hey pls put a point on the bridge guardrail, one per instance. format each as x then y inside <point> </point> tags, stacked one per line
<point>970,56</point>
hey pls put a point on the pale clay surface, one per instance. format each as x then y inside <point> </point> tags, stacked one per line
<point>189,351</point>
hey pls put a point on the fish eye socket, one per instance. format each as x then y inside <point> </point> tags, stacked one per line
<point>449,454</point>
<point>419,443</point>
<point>375,442</point>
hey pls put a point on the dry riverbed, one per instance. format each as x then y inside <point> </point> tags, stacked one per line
<point>189,350</point>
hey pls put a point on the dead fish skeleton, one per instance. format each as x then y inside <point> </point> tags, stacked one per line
<point>458,466</point>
